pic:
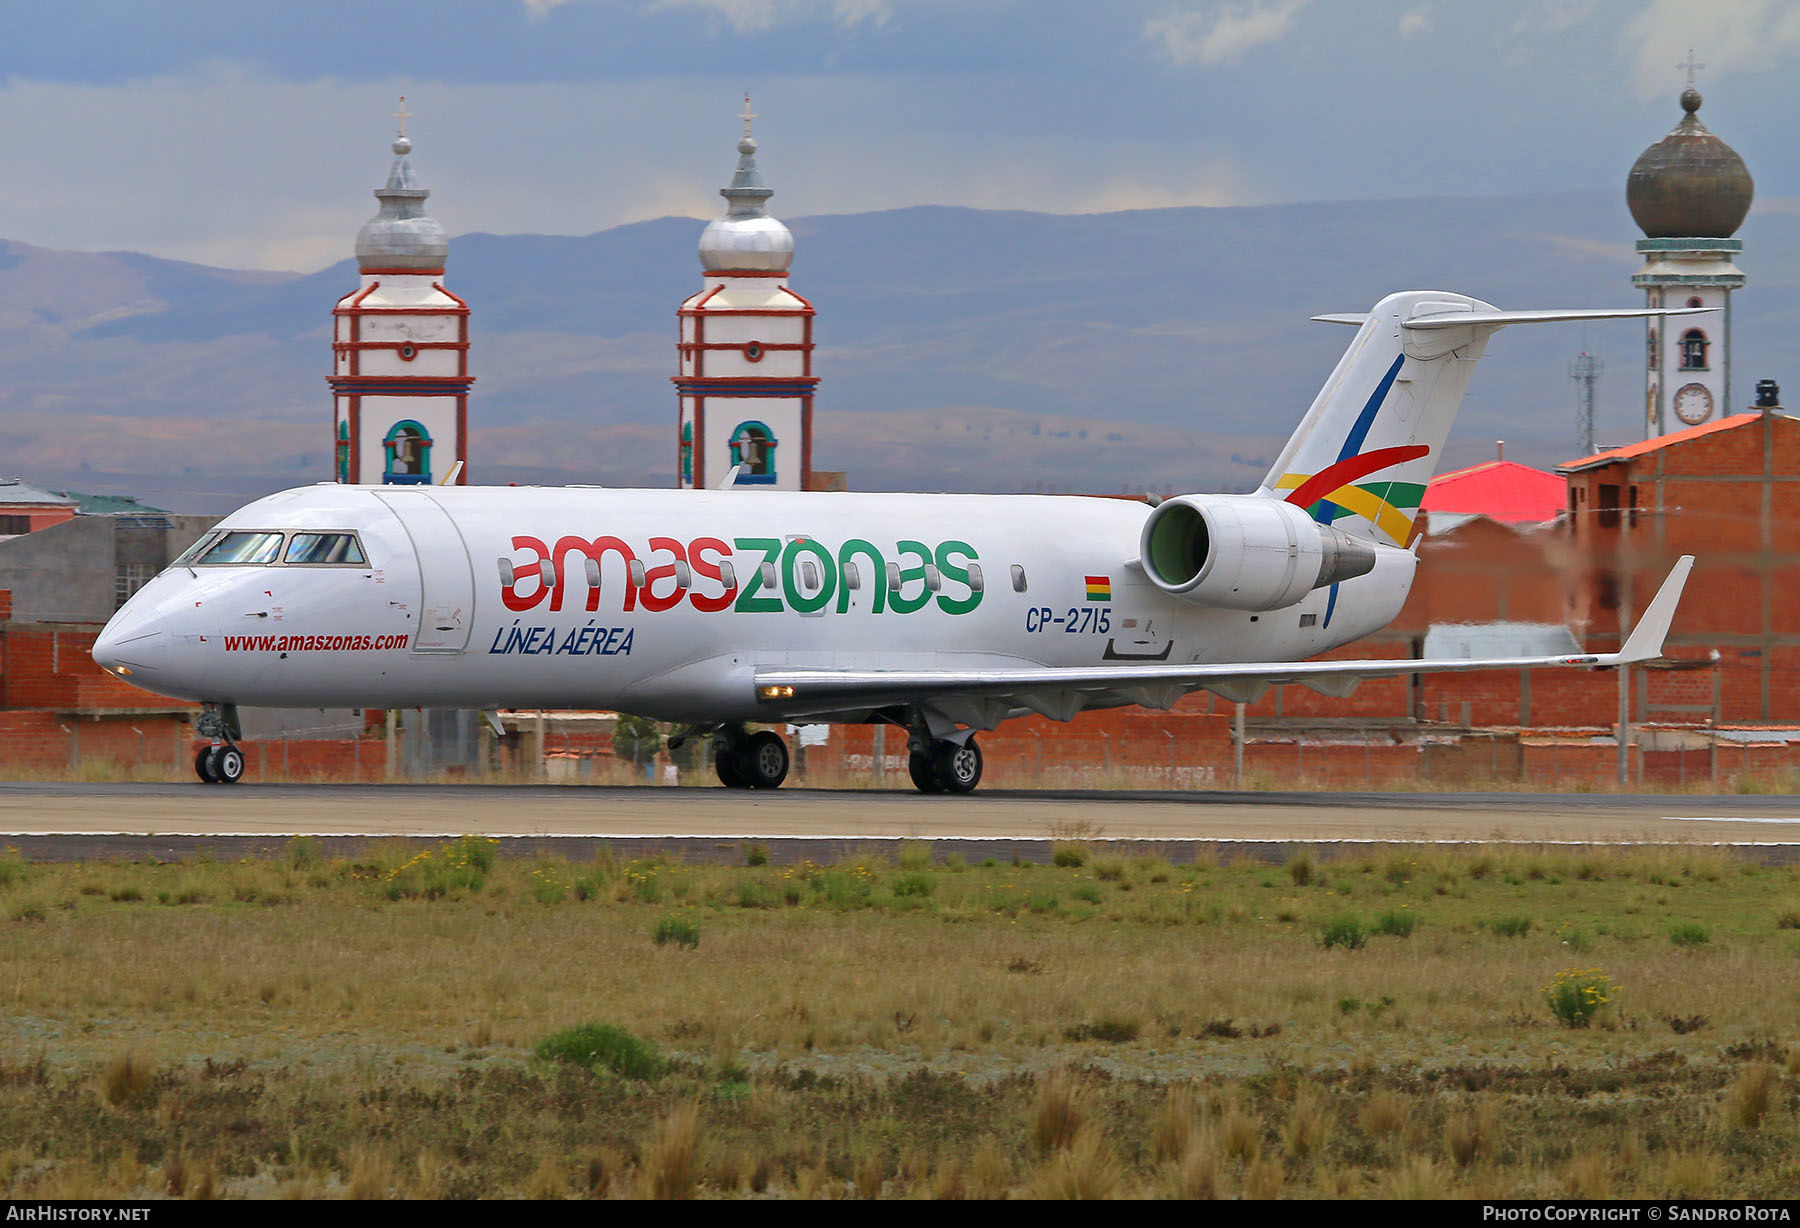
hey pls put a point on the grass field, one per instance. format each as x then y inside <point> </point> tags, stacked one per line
<point>446,1023</point>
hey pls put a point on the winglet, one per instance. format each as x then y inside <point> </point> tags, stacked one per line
<point>455,472</point>
<point>730,478</point>
<point>1646,640</point>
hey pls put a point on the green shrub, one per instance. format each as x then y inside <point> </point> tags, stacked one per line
<point>756,855</point>
<point>1689,934</point>
<point>1576,995</point>
<point>1069,855</point>
<point>1345,931</point>
<point>1300,867</point>
<point>479,853</point>
<point>1511,927</point>
<point>1395,923</point>
<point>681,931</point>
<point>305,853</point>
<point>603,1044</point>
<point>752,893</point>
<point>915,855</point>
<point>919,885</point>
<point>1087,892</point>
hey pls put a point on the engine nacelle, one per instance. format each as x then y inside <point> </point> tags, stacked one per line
<point>1246,552</point>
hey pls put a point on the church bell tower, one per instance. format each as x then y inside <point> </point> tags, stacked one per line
<point>745,383</point>
<point>1688,193</point>
<point>400,346</point>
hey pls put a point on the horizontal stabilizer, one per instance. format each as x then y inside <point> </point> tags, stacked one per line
<point>1343,317</point>
<point>1459,319</point>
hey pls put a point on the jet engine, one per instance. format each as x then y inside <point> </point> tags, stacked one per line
<point>1246,552</point>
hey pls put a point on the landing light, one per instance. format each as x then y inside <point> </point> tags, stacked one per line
<point>775,692</point>
<point>121,670</point>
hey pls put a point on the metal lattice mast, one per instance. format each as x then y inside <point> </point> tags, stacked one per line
<point>1585,371</point>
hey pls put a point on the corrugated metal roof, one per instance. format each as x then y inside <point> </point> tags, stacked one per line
<point>15,493</point>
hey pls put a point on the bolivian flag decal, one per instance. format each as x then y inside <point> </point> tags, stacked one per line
<point>1099,588</point>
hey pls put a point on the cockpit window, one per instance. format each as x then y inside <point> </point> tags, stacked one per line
<point>322,548</point>
<point>197,549</point>
<point>242,548</point>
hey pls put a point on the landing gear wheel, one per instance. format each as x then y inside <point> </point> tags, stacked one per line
<point>924,775</point>
<point>228,765</point>
<point>765,761</point>
<point>957,767</point>
<point>729,766</point>
<point>203,765</point>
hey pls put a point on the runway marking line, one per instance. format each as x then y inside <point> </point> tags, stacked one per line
<point>1722,818</point>
<point>864,837</point>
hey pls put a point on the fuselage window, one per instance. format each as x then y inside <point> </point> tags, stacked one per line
<point>1018,574</point>
<point>975,581</point>
<point>324,548</point>
<point>241,549</point>
<point>852,575</point>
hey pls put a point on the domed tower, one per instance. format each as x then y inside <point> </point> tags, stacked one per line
<point>745,387</point>
<point>400,345</point>
<point>1688,193</point>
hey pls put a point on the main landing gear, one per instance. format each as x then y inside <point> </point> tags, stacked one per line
<point>222,763</point>
<point>945,766</point>
<point>749,760</point>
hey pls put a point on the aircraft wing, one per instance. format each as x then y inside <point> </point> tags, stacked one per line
<point>985,695</point>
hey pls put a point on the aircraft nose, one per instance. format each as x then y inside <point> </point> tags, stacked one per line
<point>131,642</point>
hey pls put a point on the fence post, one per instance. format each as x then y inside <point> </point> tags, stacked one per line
<point>1169,734</point>
<point>878,753</point>
<point>1040,755</point>
<point>1237,746</point>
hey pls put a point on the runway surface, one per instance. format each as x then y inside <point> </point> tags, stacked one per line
<point>49,819</point>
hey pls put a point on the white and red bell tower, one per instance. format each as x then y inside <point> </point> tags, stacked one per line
<point>746,383</point>
<point>400,346</point>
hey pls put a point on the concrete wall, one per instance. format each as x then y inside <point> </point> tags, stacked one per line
<point>68,572</point>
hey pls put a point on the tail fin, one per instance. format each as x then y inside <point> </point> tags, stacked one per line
<point>1371,441</point>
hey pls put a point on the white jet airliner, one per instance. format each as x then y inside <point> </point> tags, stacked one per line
<point>941,614</point>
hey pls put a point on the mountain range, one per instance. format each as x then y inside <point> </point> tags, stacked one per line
<point>959,349</point>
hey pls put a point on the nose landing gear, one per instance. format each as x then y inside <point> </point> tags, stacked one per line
<point>222,763</point>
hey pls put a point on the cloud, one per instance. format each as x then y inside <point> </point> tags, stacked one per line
<point>1728,36</point>
<point>1415,21</point>
<point>1224,33</point>
<point>750,16</point>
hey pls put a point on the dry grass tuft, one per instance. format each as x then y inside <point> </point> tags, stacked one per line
<point>1240,1131</point>
<point>1309,1124</point>
<point>1416,1179</point>
<point>1753,1094</point>
<point>1692,1174</point>
<point>1471,1134</point>
<point>1175,1125</point>
<point>1265,1178</point>
<point>127,1080</point>
<point>989,1172</point>
<point>1384,1116</point>
<point>671,1159</point>
<point>1589,1175</point>
<point>1059,1109</point>
<point>1087,1168</point>
<point>371,1175</point>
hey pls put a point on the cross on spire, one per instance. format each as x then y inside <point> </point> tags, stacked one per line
<point>1690,65</point>
<point>402,114</point>
<point>748,114</point>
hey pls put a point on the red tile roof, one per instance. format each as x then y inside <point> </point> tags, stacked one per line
<point>1632,451</point>
<point>1500,490</point>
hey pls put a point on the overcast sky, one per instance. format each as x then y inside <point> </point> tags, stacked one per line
<point>250,134</point>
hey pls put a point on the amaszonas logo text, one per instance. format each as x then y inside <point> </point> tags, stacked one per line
<point>751,575</point>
